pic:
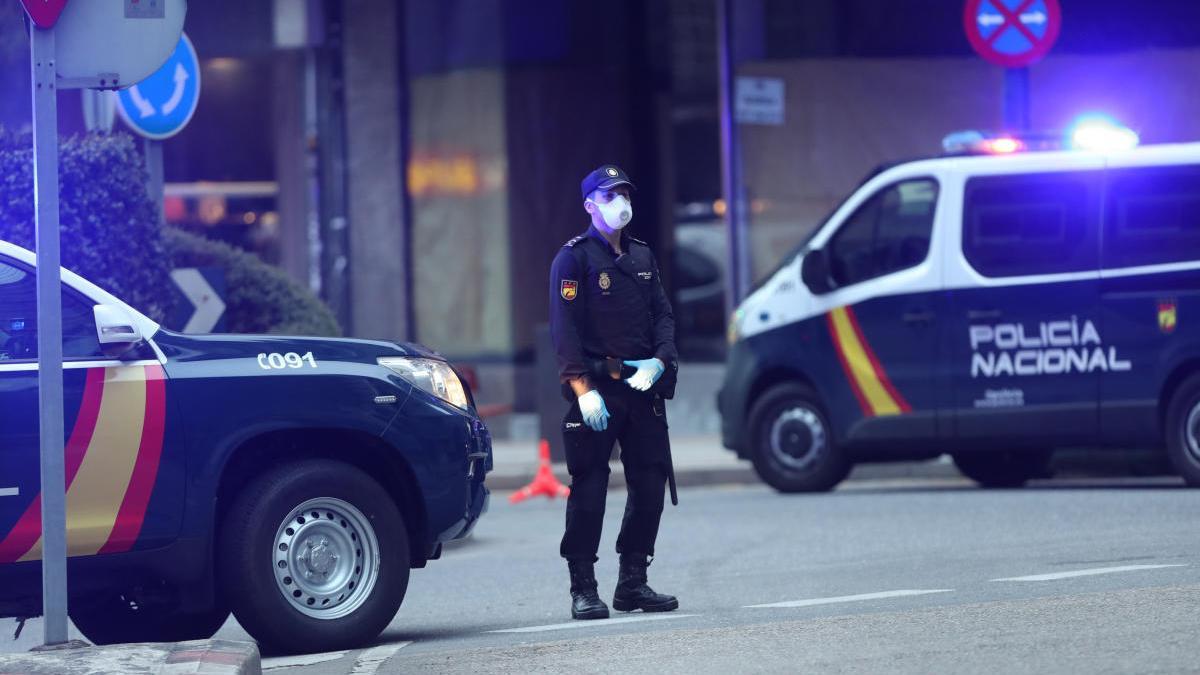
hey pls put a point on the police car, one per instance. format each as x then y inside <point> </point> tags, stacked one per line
<point>294,481</point>
<point>995,305</point>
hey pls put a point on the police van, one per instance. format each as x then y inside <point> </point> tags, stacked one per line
<point>294,481</point>
<point>996,305</point>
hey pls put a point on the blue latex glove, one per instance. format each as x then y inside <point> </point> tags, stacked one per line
<point>648,372</point>
<point>595,413</point>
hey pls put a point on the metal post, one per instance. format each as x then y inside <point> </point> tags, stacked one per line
<point>312,173</point>
<point>1016,99</point>
<point>154,173</point>
<point>403,86</point>
<point>49,327</point>
<point>730,166</point>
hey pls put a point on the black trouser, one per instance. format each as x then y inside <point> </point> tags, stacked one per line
<point>639,421</point>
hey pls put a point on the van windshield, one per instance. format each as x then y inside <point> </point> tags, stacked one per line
<point>803,245</point>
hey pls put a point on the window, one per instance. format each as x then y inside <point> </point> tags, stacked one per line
<point>1032,223</point>
<point>1153,216</point>
<point>18,319</point>
<point>889,233</point>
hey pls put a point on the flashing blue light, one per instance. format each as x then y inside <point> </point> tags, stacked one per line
<point>961,141</point>
<point>1100,133</point>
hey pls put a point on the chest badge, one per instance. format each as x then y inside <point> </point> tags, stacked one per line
<point>646,276</point>
<point>605,281</point>
<point>569,289</point>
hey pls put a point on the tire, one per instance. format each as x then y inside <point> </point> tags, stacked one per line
<point>313,557</point>
<point>1183,430</point>
<point>791,441</point>
<point>118,619</point>
<point>1004,469</point>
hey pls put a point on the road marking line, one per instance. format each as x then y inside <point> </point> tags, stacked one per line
<point>1086,573</point>
<point>369,661</point>
<point>277,662</point>
<point>851,598</point>
<point>10,492</point>
<point>597,622</point>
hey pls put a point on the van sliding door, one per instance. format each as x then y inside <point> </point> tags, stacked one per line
<point>1025,332</point>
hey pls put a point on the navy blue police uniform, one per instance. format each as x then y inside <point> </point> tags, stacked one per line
<point>606,307</point>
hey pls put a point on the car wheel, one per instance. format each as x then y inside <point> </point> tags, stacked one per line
<point>1183,430</point>
<point>791,443</point>
<point>119,618</point>
<point>1004,469</point>
<point>314,557</point>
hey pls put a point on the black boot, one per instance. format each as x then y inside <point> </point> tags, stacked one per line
<point>633,593</point>
<point>585,601</point>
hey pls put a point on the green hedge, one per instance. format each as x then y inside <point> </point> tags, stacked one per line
<point>260,298</point>
<point>112,237</point>
<point>110,232</point>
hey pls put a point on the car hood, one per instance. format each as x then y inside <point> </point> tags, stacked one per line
<point>224,346</point>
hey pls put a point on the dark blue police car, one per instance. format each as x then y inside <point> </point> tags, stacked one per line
<point>294,481</point>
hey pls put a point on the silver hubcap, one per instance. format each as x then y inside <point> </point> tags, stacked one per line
<point>326,558</point>
<point>1191,433</point>
<point>797,438</point>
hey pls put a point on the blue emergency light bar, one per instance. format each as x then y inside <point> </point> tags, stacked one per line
<point>1095,133</point>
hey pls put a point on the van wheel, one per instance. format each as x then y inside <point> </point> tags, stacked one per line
<point>1183,430</point>
<point>1004,469</point>
<point>314,557</point>
<point>791,444</point>
<point>119,618</point>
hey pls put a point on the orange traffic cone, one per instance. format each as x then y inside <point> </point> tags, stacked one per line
<point>544,483</point>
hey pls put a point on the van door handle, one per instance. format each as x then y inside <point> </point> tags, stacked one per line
<point>979,314</point>
<point>918,316</point>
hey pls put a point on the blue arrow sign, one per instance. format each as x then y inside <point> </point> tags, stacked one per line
<point>161,105</point>
<point>199,305</point>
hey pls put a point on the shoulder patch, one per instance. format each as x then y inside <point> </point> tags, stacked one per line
<point>575,241</point>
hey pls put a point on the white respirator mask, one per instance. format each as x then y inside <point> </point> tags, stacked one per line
<point>617,213</point>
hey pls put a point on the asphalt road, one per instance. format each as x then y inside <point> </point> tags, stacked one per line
<point>1100,576</point>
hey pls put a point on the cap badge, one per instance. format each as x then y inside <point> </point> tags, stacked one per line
<point>605,281</point>
<point>612,172</point>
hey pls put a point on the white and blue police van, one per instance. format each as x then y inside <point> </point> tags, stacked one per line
<point>996,304</point>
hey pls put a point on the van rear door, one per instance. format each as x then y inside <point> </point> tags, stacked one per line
<point>1150,289</point>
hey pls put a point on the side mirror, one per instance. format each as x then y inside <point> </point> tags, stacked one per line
<point>116,329</point>
<point>815,271</point>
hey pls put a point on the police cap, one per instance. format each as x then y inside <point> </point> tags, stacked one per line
<point>605,177</point>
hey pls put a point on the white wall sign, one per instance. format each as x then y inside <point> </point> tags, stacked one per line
<point>759,100</point>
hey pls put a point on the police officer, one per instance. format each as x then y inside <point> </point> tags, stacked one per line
<point>614,335</point>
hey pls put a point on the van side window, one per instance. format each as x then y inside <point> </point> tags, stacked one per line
<point>1152,216</point>
<point>18,319</point>
<point>888,233</point>
<point>1032,223</point>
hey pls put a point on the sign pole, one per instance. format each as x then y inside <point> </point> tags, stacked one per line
<point>154,173</point>
<point>49,318</point>
<point>730,153</point>
<point>1016,99</point>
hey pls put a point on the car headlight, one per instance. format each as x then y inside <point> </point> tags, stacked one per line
<point>435,377</point>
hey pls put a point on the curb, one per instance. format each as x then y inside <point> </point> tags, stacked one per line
<point>743,473</point>
<point>1067,464</point>
<point>210,657</point>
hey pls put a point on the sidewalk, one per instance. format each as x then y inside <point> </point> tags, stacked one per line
<point>699,460</point>
<point>201,657</point>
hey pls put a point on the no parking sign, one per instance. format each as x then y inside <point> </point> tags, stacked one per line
<point>1012,33</point>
